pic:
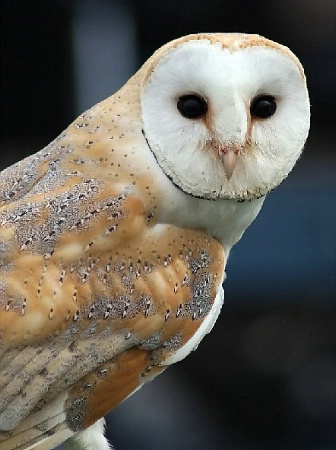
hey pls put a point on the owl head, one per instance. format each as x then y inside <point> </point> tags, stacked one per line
<point>225,115</point>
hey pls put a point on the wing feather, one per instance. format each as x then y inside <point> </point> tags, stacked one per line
<point>90,281</point>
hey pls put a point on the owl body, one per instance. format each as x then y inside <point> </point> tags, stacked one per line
<point>114,238</point>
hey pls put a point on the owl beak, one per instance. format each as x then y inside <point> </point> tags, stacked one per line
<point>228,154</point>
<point>229,158</point>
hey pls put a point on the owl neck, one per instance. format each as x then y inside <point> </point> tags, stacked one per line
<point>225,220</point>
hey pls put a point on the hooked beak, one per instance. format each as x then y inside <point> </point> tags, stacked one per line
<point>229,156</point>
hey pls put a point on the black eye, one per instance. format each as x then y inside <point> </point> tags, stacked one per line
<point>263,106</point>
<point>192,106</point>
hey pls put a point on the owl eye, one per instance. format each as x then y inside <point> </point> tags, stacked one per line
<point>192,106</point>
<point>263,106</point>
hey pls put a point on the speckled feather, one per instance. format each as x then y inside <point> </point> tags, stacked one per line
<point>104,276</point>
<point>87,273</point>
<point>86,267</point>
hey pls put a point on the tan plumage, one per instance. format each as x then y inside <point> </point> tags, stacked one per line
<point>108,268</point>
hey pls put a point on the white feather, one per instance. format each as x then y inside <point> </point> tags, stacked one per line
<point>228,81</point>
<point>90,439</point>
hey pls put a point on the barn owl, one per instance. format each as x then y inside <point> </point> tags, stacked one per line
<point>115,237</point>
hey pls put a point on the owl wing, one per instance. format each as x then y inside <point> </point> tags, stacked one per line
<point>96,298</point>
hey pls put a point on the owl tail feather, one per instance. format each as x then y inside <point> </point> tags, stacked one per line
<point>47,428</point>
<point>43,429</point>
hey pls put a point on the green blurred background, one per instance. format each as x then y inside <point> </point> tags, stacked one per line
<point>265,378</point>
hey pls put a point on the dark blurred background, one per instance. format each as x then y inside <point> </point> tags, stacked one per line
<point>265,377</point>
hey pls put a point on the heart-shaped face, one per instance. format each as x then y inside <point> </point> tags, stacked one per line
<point>225,115</point>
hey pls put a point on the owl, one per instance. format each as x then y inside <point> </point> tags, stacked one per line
<point>115,237</point>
